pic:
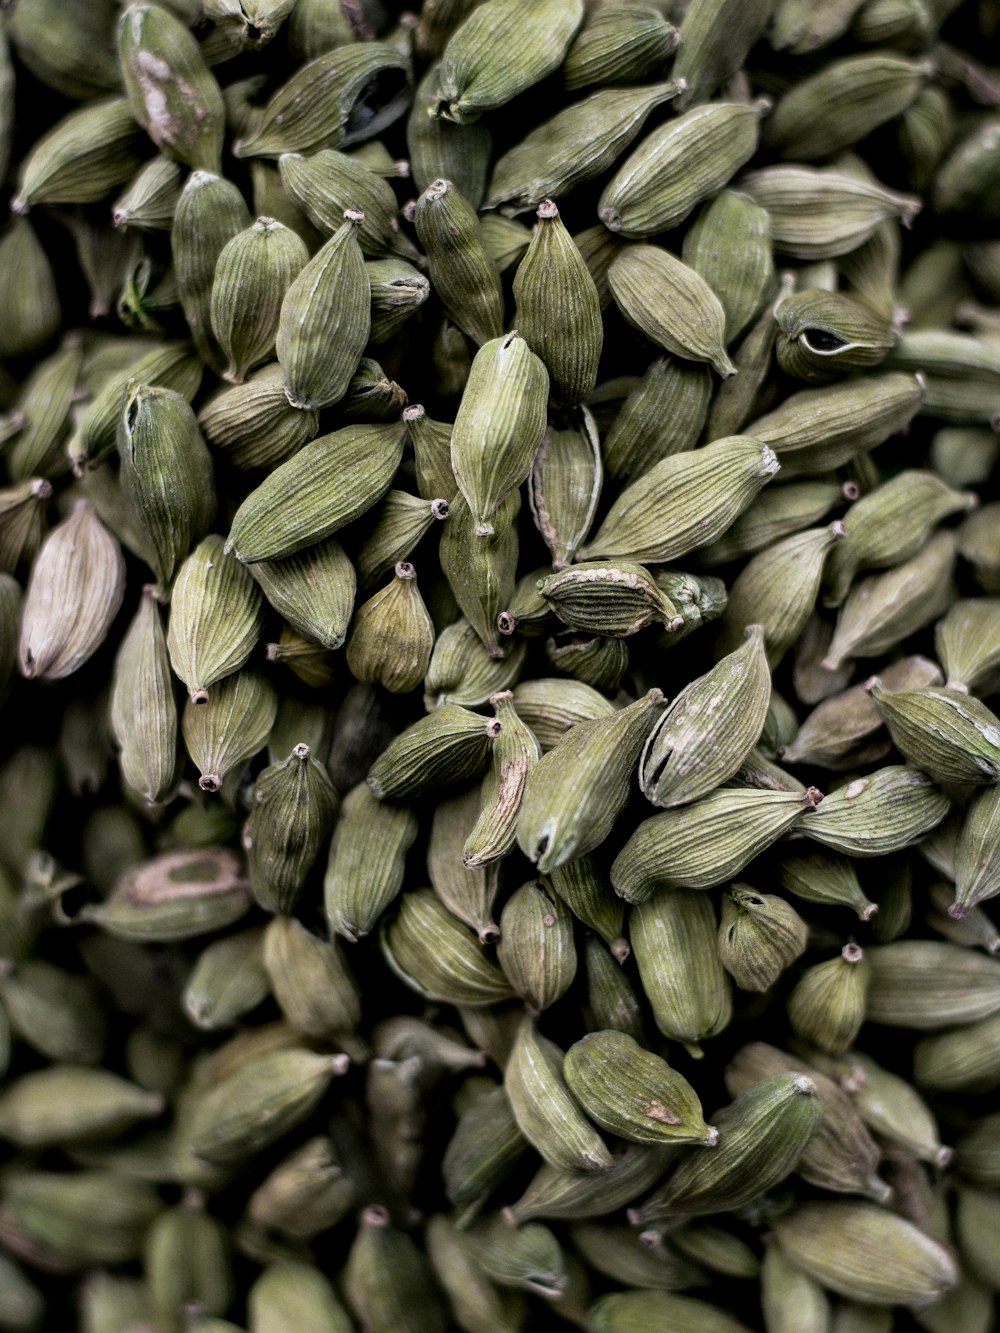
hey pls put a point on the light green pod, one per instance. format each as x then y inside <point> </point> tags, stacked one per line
<point>85,156</point>
<point>826,334</point>
<point>576,791</point>
<point>440,149</point>
<point>326,183</point>
<point>171,91</point>
<point>884,812</point>
<point>536,949</point>
<point>322,488</point>
<point>63,1104</point>
<point>367,861</point>
<point>209,213</point>
<point>716,37</point>
<point>461,272</point>
<point>671,305</point>
<point>224,733</point>
<point>501,51</point>
<point>143,707</point>
<point>481,570</point>
<point>252,275</point>
<point>729,244</point>
<point>558,309</point>
<point>216,616</point>
<point>27,291</point>
<point>683,162</point>
<point>564,490</point>
<point>187,1261</point>
<point>151,199</point>
<point>949,734</point>
<point>433,953</point>
<point>398,290</point>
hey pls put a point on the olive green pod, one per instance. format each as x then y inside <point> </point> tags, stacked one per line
<point>710,727</point>
<point>45,404</point>
<point>498,53</point>
<point>949,734</point>
<point>430,950</point>
<point>671,305</point>
<point>80,1219</point>
<point>440,149</point>
<point>224,733</point>
<point>448,746</point>
<point>311,982</point>
<point>367,859</point>
<point>291,1293</point>
<point>328,182</point>
<point>701,845</point>
<point>584,889</point>
<point>536,949</point>
<point>461,671</point>
<point>306,1193</point>
<point>866,1253</point>
<point>485,1147</point>
<point>187,1261</point>
<point>673,935</point>
<point>930,984</point>
<point>884,812</point>
<point>663,415</point>
<point>577,790</point>
<point>826,334</point>
<point>544,1108</point>
<point>632,1093</point>
<point>209,213</point>
<point>550,707</point>
<point>85,155</point>
<point>716,37</point>
<point>27,290</point>
<point>729,244</point>
<point>965,1060</point>
<point>481,570</point>
<point>760,935</point>
<point>143,706</point>
<point>227,981</point>
<point>389,1282</point>
<point>683,502</point>
<point>528,1258</point>
<point>294,805</point>
<point>326,485</point>
<point>775,513</point>
<point>792,1301</point>
<point>151,198</point>
<point>625,1311</point>
<point>171,91</point>
<point>325,320</point>
<point>611,598</point>
<point>313,590</point>
<point>252,274</point>
<point>216,616</point>
<point>461,272</point>
<point>63,1104</point>
<point>515,752</point>
<point>967,642</point>
<point>392,635</point>
<point>827,1006</point>
<point>619,44</point>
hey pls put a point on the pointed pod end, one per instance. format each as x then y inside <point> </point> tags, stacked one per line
<point>210,782</point>
<point>621,950</point>
<point>958,911</point>
<point>804,1085</point>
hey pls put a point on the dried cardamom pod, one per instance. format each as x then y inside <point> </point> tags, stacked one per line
<point>224,733</point>
<point>448,746</point>
<point>826,334</point>
<point>388,1282</point>
<point>577,790</point>
<point>663,415</point>
<point>430,950</point>
<point>760,935</point>
<point>610,598</point>
<point>481,570</point>
<point>461,671</point>
<point>294,805</point>
<point>440,149</point>
<point>143,707</point>
<point>392,635</point>
<point>468,892</point>
<point>930,984</point>
<point>209,213</point>
<point>311,982</point>
<point>827,1006</point>
<point>716,37</point>
<point>623,44</point>
<point>367,861</point>
<point>514,754</point>
<point>461,272</point>
<point>328,182</point>
<point>227,981</point>
<point>564,490</point>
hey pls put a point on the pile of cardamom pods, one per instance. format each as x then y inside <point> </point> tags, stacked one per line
<point>499,616</point>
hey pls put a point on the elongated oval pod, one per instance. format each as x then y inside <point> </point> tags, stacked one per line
<point>367,861</point>
<point>977,863</point>
<point>313,590</point>
<point>56,1106</point>
<point>515,752</point>
<point>826,334</point>
<point>576,791</point>
<point>529,1257</point>
<point>289,1294</point>
<point>82,158</point>
<point>663,415</point>
<point>545,1110</point>
<point>875,815</point>
<point>575,145</point>
<point>187,1260</point>
<point>311,981</point>
<point>482,1151</point>
<point>499,425</point>
<point>659,1309</point>
<point>673,935</point>
<point>947,733</point>
<point>481,570</point>
<point>584,889</point>
<point>294,805</point>
<point>684,161</point>
<point>575,1195</point>
<point>683,502</point>
<point>558,308</point>
<point>461,671</point>
<point>729,244</point>
<point>224,733</point>
<point>461,272</point>
<point>496,55</point>
<point>930,984</point>
<point>402,523</point>
<point>253,424</point>
<point>325,320</point>
<point>143,707</point>
<point>967,642</point>
<point>762,1135</point>
<point>437,956</point>
<point>710,727</point>
<point>619,45</point>
<point>228,980</point>
<point>610,598</point>
<point>706,843</point>
<point>536,949</point>
<point>792,1302</point>
<point>467,892</point>
<point>325,486</point>
<point>326,183</point>
<point>866,1253</point>
<point>671,305</point>
<point>632,1093</point>
<point>209,213</point>
<point>715,40</point>
<point>449,745</point>
<point>75,590</point>
<point>216,616</point>
<point>252,275</point>
<point>388,1281</point>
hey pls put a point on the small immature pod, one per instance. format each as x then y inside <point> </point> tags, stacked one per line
<point>612,1004</point>
<point>467,892</point>
<point>710,727</point>
<point>759,937</point>
<point>866,1253</point>
<point>499,425</point>
<point>762,1135</point>
<point>313,589</point>
<point>777,512</point>
<point>27,291</point>
<point>481,569</point>
<point>536,949</point>
<point>947,733</point>
<point>683,502</point>
<point>827,1006</point>
<point>891,1107</point>
<point>166,475</point>
<point>151,199</point>
<point>673,935</point>
<point>514,754</point>
<point>58,1014</point>
<point>259,1102</point>
<point>325,320</point>
<point>172,93</point>
<point>663,415</point>
<point>402,523</point>
<point>398,289</point>
<point>392,635</point>
<point>460,270</point>
<point>684,161</point>
<point>431,444</point>
<point>565,487</point>
<point>321,489</point>
<point>558,308</point>
<point>294,805</point>
<point>216,616</point>
<point>546,1112</point>
<point>821,877</point>
<point>252,275</point>
<point>882,813</point>
<point>447,746</point>
<point>81,1219</point>
<point>609,598</point>
<point>75,590</point>
<point>671,305</point>
<point>209,213</point>
<point>778,589</point>
<point>577,790</point>
<point>223,734</point>
<point>143,707</point>
<point>632,1093</point>
<point>596,661</point>
<point>367,861</point>
<point>497,54</point>
<point>477,1303</point>
<point>706,843</point>
<point>430,950</point>
<point>580,142</point>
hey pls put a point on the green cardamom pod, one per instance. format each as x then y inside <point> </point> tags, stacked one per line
<point>143,707</point>
<point>536,949</point>
<point>947,733</point>
<point>461,272</point>
<point>367,861</point>
<point>224,733</point>
<point>294,805</point>
<point>760,935</point>
<point>437,956</point>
